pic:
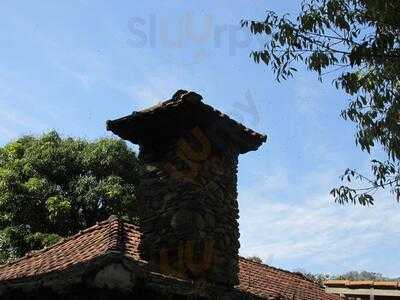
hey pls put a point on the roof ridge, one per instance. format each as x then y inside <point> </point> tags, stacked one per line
<point>61,241</point>
<point>115,235</point>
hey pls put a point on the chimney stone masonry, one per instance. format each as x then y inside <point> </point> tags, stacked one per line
<point>187,199</point>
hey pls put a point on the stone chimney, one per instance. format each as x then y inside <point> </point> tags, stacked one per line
<point>187,199</point>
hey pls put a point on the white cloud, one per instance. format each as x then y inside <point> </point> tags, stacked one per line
<point>90,68</point>
<point>313,232</point>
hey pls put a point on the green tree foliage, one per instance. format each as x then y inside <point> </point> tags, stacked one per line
<point>256,259</point>
<point>52,187</point>
<point>358,42</point>
<point>363,275</point>
<point>352,275</point>
<point>316,278</point>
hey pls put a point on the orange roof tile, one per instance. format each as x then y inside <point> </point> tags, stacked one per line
<point>100,239</point>
<point>115,236</point>
<point>260,279</point>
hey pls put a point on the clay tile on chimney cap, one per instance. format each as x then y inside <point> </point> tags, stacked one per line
<point>184,111</point>
<point>112,218</point>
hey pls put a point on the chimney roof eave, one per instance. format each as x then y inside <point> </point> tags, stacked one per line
<point>172,115</point>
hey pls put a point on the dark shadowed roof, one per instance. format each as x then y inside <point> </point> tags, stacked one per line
<point>185,110</point>
<point>114,236</point>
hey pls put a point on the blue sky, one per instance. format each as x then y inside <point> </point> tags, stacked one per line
<point>71,65</point>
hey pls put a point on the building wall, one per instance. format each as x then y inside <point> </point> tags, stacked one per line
<point>363,297</point>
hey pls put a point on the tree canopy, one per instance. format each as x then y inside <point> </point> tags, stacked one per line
<point>358,42</point>
<point>352,275</point>
<point>52,187</point>
<point>361,275</point>
<point>255,258</point>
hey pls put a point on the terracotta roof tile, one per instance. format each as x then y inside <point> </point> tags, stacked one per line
<point>102,238</point>
<point>183,108</point>
<point>262,280</point>
<point>115,236</point>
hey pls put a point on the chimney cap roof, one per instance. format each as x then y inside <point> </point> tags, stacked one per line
<point>185,110</point>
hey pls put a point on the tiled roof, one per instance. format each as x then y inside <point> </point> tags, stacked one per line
<point>172,115</point>
<point>115,236</point>
<point>392,284</point>
<point>100,239</point>
<point>261,279</point>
